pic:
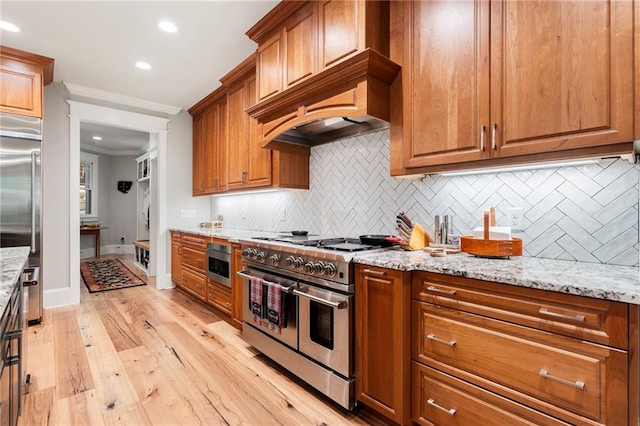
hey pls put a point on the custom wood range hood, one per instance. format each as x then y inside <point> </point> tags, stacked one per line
<point>323,72</point>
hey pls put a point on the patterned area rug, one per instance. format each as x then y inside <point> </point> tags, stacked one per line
<point>109,274</point>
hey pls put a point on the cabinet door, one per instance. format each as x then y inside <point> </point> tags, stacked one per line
<point>338,31</point>
<point>21,90</point>
<point>259,173</point>
<point>269,67</point>
<point>382,341</point>
<point>238,136</point>
<point>176,261</point>
<point>445,83</point>
<point>301,45</point>
<point>198,157</point>
<point>209,150</point>
<point>562,74</point>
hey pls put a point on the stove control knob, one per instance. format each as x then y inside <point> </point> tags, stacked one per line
<point>261,256</point>
<point>330,269</point>
<point>246,252</point>
<point>319,268</point>
<point>309,268</point>
<point>253,253</point>
<point>291,261</point>
<point>299,263</point>
<point>275,259</point>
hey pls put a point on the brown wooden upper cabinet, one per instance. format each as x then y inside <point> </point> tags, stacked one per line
<point>298,39</point>
<point>22,77</point>
<point>210,144</point>
<point>501,82</point>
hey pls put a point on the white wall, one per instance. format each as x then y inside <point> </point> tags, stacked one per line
<point>123,207</point>
<point>55,189</point>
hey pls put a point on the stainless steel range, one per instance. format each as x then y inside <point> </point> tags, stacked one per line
<point>311,332</point>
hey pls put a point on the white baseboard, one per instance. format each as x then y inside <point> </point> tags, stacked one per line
<point>119,249</point>
<point>58,297</point>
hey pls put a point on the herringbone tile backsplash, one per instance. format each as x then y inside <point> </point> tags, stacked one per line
<point>587,213</point>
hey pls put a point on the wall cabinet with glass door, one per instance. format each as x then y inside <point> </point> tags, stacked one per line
<point>509,82</point>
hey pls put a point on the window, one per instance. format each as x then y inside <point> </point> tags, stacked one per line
<point>88,185</point>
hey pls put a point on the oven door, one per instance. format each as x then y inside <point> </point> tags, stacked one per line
<point>326,329</point>
<point>289,332</point>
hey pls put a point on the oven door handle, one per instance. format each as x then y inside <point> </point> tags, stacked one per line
<point>289,289</point>
<point>342,304</point>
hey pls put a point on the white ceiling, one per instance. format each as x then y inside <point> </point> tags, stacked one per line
<point>96,43</point>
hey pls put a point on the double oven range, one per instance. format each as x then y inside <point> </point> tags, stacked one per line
<point>315,277</point>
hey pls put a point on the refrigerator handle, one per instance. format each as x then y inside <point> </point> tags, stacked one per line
<point>33,201</point>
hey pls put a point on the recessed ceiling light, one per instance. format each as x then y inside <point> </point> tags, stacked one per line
<point>167,26</point>
<point>143,65</point>
<point>97,138</point>
<point>4,25</point>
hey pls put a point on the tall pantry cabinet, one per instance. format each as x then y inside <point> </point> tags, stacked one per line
<point>500,82</point>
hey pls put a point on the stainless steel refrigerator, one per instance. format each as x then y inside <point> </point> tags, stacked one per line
<point>21,196</point>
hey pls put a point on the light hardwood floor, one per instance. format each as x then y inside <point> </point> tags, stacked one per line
<point>140,356</point>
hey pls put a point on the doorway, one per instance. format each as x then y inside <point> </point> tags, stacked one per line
<point>156,127</point>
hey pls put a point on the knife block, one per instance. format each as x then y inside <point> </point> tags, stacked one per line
<point>485,247</point>
<point>419,239</point>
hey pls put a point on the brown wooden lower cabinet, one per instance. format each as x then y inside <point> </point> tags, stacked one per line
<point>236,287</point>
<point>194,282</point>
<point>479,357</point>
<point>219,296</point>
<point>382,341</point>
<point>176,258</point>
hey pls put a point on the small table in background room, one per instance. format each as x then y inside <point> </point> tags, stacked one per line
<point>95,231</point>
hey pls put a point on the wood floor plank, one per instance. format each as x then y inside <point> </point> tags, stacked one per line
<point>78,410</point>
<point>73,373</point>
<point>161,401</point>
<point>40,357</point>
<point>38,406</point>
<point>128,415</point>
<point>113,388</point>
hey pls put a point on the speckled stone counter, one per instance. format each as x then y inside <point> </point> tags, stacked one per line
<point>12,262</point>
<point>611,282</point>
<point>233,235</point>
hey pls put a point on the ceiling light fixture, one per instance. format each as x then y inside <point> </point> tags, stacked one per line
<point>534,166</point>
<point>167,26</point>
<point>4,25</point>
<point>143,65</point>
<point>97,138</point>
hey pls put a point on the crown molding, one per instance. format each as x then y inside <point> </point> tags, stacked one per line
<point>117,98</point>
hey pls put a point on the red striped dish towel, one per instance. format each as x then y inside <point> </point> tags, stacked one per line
<point>256,299</point>
<point>275,307</point>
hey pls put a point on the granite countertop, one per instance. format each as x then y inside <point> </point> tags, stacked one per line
<point>611,282</point>
<point>12,262</point>
<point>233,235</point>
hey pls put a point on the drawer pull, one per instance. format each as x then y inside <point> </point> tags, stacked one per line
<point>439,290</point>
<point>435,339</point>
<point>450,411</point>
<point>576,384</point>
<point>372,272</point>
<point>545,311</point>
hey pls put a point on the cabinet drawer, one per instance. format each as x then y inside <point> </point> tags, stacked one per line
<point>441,399</point>
<point>194,241</point>
<point>219,296</point>
<point>530,366</point>
<point>194,258</point>
<point>175,237</point>
<point>193,282</point>
<point>595,320</point>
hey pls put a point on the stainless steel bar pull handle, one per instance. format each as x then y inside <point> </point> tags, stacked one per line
<point>432,403</point>
<point>34,160</point>
<point>545,311</point>
<point>482,130</point>
<point>288,289</point>
<point>436,339</point>
<point>336,305</point>
<point>493,135</point>
<point>439,290</point>
<point>577,384</point>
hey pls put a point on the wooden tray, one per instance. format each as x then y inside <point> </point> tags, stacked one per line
<point>484,247</point>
